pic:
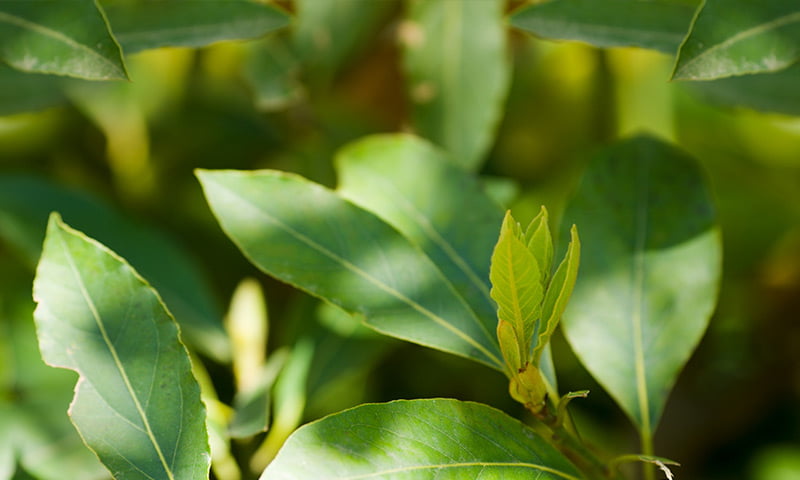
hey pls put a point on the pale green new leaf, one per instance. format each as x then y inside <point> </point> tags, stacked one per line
<point>59,37</point>
<point>516,282</point>
<point>656,24</point>
<point>420,440</point>
<point>136,405</point>
<point>649,272</point>
<point>739,37</point>
<point>458,73</point>
<point>306,235</point>
<point>142,25</point>
<point>558,293</point>
<point>540,243</point>
<point>433,202</point>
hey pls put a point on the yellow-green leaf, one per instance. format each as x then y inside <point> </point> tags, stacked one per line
<point>540,243</point>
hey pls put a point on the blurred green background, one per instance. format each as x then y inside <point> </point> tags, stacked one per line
<point>278,103</point>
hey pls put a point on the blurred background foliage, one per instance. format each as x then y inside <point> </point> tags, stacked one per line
<point>122,154</point>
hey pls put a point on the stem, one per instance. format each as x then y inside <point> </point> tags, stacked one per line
<point>648,469</point>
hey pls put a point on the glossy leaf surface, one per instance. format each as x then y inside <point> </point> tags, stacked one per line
<point>306,235</point>
<point>739,37</point>
<point>656,24</point>
<point>770,92</point>
<point>650,269</point>
<point>59,37</point>
<point>136,405</point>
<point>417,189</point>
<point>25,203</point>
<point>418,439</point>
<point>458,74</point>
<point>177,23</point>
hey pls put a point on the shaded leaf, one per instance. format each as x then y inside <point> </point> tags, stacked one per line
<point>26,201</point>
<point>58,37</point>
<point>21,91</point>
<point>137,405</point>
<point>770,92</point>
<point>420,439</point>
<point>143,25</point>
<point>328,32</point>
<point>455,61</point>
<point>433,202</point>
<point>306,235</point>
<point>271,68</point>
<point>650,269</point>
<point>558,293</point>
<point>738,37</point>
<point>252,406</point>
<point>655,24</point>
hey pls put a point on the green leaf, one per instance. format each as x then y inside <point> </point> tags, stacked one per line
<point>328,32</point>
<point>516,283</point>
<point>650,272</point>
<point>306,235</point>
<point>21,92</point>
<point>271,68</point>
<point>433,202</point>
<point>739,37</point>
<point>456,65</point>
<point>540,243</point>
<point>655,24</point>
<point>59,37</point>
<point>137,405</point>
<point>252,406</point>
<point>558,293</point>
<point>771,92</point>
<point>25,203</point>
<point>143,25</point>
<point>419,439</point>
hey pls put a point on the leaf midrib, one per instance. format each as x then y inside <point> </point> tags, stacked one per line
<point>117,361</point>
<point>382,286</point>
<point>56,35</point>
<point>743,35</point>
<point>640,238</point>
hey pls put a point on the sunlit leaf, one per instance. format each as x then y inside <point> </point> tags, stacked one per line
<point>433,202</point>
<point>558,293</point>
<point>25,203</point>
<point>516,282</point>
<point>738,37</point>
<point>136,405</point>
<point>178,23</point>
<point>650,269</point>
<point>455,61</point>
<point>306,235</point>
<point>420,439</point>
<point>59,37</point>
<point>656,24</point>
<point>540,243</point>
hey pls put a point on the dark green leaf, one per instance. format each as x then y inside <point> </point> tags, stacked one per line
<point>308,236</point>
<point>137,405</point>
<point>656,24</point>
<point>419,439</point>
<point>739,37</point>
<point>179,23</point>
<point>59,37</point>
<point>434,203</point>
<point>455,60</point>
<point>20,91</point>
<point>25,203</point>
<point>650,270</point>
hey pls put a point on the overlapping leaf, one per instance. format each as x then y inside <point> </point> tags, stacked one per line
<point>656,24</point>
<point>25,203</point>
<point>649,272</point>
<point>433,202</point>
<point>59,37</point>
<point>142,25</point>
<point>420,439</point>
<point>458,74</point>
<point>306,235</point>
<point>137,405</point>
<point>738,37</point>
